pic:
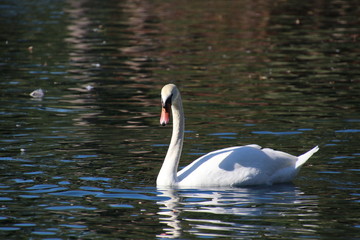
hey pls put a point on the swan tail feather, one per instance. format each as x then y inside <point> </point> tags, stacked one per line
<point>304,157</point>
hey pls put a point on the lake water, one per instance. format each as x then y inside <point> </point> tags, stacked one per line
<point>81,161</point>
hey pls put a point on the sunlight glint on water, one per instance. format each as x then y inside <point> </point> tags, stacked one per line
<point>81,161</point>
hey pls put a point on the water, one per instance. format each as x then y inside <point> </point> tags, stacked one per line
<point>81,161</point>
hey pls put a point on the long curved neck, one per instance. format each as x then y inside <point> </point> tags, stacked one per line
<point>168,172</point>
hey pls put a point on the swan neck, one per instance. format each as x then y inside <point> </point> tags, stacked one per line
<point>168,173</point>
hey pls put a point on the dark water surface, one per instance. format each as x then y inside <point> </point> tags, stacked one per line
<point>81,161</point>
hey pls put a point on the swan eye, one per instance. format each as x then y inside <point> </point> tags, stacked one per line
<point>167,101</point>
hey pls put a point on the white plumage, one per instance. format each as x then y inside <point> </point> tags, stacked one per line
<point>233,166</point>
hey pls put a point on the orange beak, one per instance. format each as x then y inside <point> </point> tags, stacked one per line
<point>165,114</point>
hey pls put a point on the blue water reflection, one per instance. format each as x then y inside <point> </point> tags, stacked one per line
<point>81,161</point>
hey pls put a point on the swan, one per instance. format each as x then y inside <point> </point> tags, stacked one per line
<point>228,167</point>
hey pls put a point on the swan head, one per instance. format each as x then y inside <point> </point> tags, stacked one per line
<point>170,95</point>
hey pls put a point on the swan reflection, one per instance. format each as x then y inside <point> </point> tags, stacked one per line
<point>215,212</point>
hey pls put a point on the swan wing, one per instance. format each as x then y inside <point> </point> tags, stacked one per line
<point>238,166</point>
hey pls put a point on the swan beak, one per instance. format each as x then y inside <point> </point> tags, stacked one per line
<point>165,114</point>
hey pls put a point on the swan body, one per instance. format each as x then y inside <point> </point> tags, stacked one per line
<point>228,167</point>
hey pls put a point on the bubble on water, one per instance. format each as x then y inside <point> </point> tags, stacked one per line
<point>89,87</point>
<point>38,93</point>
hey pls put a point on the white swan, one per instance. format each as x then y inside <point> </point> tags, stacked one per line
<point>234,166</point>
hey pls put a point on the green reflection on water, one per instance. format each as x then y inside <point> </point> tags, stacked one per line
<point>279,74</point>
